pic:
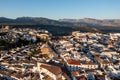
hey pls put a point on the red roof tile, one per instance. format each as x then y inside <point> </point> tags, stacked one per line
<point>73,62</point>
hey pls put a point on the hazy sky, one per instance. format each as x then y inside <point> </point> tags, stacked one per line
<point>57,9</point>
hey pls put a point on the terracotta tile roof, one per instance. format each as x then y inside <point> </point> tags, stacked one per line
<point>75,73</point>
<point>53,69</point>
<point>73,62</point>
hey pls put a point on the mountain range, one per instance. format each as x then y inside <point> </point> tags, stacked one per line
<point>66,25</point>
<point>64,22</point>
<point>93,22</point>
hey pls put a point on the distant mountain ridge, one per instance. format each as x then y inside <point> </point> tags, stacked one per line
<point>94,22</point>
<point>32,20</point>
<point>64,26</point>
<point>63,22</point>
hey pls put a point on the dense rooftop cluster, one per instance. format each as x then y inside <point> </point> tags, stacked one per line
<point>98,52</point>
<point>80,56</point>
<point>23,33</point>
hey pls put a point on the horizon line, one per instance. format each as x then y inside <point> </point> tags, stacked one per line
<point>59,18</point>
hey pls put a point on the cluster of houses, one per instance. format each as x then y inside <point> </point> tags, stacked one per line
<point>28,34</point>
<point>17,63</point>
<point>97,52</point>
<point>80,56</point>
<point>22,63</point>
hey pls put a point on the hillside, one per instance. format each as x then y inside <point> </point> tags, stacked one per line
<point>62,26</point>
<point>63,22</point>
